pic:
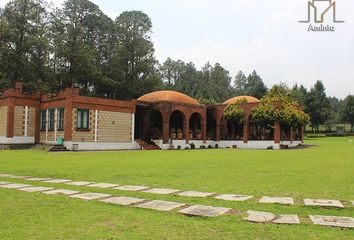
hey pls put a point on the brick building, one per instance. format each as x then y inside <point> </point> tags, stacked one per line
<point>166,119</point>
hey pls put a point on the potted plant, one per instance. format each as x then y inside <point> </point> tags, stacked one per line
<point>190,134</point>
<point>179,134</point>
<point>199,134</point>
<point>173,133</point>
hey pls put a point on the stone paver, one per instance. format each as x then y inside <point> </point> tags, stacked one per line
<point>161,205</point>
<point>233,197</point>
<point>79,183</point>
<point>5,175</point>
<point>259,217</point>
<point>64,192</point>
<point>38,179</point>
<point>204,211</point>
<point>90,196</point>
<point>323,203</point>
<point>195,194</point>
<point>332,221</point>
<point>35,189</point>
<point>287,219</point>
<point>57,181</point>
<point>353,203</point>
<point>3,183</point>
<point>162,191</point>
<point>103,185</point>
<point>131,188</point>
<point>125,201</point>
<point>280,200</point>
<point>14,186</point>
<point>19,177</point>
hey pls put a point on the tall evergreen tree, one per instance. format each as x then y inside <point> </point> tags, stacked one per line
<point>348,111</point>
<point>81,34</point>
<point>318,105</point>
<point>134,65</point>
<point>255,86</point>
<point>240,84</point>
<point>24,50</point>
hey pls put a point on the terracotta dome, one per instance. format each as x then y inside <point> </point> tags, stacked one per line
<point>241,99</point>
<point>169,96</point>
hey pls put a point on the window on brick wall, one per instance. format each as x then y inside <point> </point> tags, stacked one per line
<point>43,119</point>
<point>60,118</point>
<point>51,114</point>
<point>82,121</point>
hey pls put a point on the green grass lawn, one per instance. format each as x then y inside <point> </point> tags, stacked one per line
<point>325,170</point>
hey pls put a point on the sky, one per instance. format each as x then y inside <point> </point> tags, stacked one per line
<point>251,34</point>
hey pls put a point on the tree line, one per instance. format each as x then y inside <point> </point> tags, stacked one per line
<point>49,49</point>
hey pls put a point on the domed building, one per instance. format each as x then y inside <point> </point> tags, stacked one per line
<point>157,120</point>
<point>163,116</point>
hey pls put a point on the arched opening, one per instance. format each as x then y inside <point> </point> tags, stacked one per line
<point>176,125</point>
<point>155,125</point>
<point>261,132</point>
<point>211,126</point>
<point>195,127</point>
<point>234,131</point>
<point>285,133</point>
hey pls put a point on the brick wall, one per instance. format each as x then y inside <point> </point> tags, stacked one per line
<point>19,122</point>
<point>3,121</point>
<point>31,122</point>
<point>114,127</point>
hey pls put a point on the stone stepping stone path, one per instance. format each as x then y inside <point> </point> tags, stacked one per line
<point>102,185</point>
<point>323,203</point>
<point>280,200</point>
<point>233,197</point>
<point>204,211</point>
<point>63,192</point>
<point>195,194</point>
<point>35,189</point>
<point>166,191</point>
<point>194,210</point>
<point>3,183</point>
<point>79,183</point>
<point>164,206</point>
<point>14,186</point>
<point>124,201</point>
<point>57,181</point>
<point>131,188</point>
<point>332,221</point>
<point>90,196</point>
<point>162,191</point>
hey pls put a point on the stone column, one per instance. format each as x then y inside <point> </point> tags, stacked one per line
<point>68,115</point>
<point>166,129</point>
<point>276,133</point>
<point>10,117</point>
<point>186,130</point>
<point>204,133</point>
<point>246,131</point>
